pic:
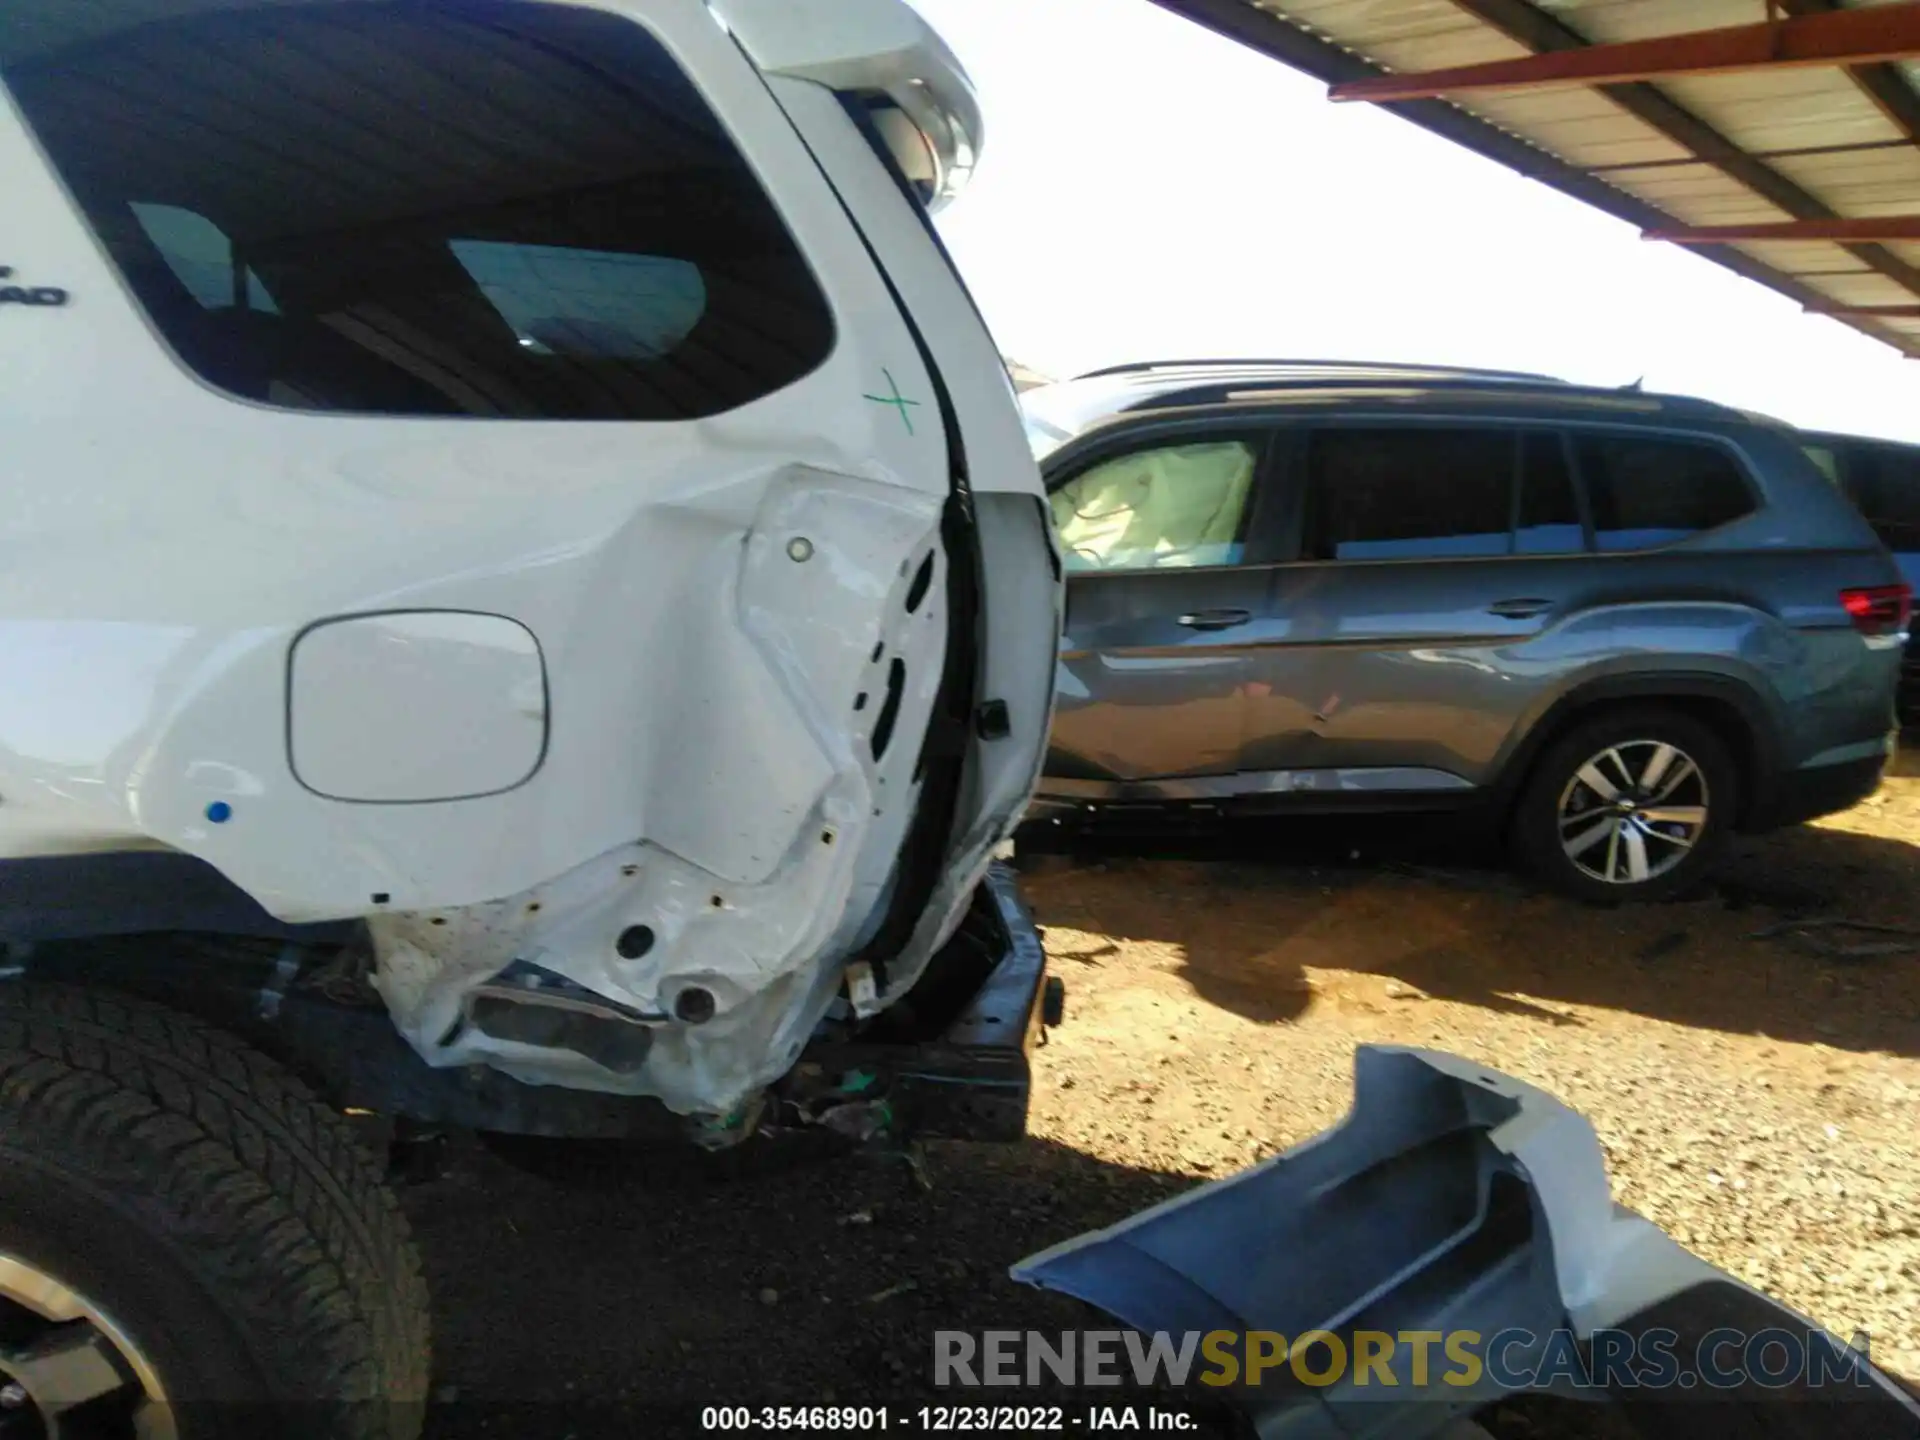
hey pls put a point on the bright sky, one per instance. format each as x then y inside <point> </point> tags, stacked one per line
<point>1150,190</point>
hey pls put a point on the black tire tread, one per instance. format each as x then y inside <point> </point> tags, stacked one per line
<point>285,1214</point>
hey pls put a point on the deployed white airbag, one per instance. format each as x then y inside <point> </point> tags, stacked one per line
<point>1179,505</point>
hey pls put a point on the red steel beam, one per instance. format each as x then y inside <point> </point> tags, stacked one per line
<point>1836,37</point>
<point>1878,230</point>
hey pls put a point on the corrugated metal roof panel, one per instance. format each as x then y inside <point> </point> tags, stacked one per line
<point>1580,125</point>
<point>1423,34</point>
<point>1606,22</point>
<point>1800,257</point>
<point>1698,194</point>
<point>1651,148</point>
<point>1784,109</point>
<point>1865,288</point>
<point>1604,145</point>
<point>1864,182</point>
<point>1574,104</point>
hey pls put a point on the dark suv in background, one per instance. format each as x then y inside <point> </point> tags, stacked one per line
<point>1882,478</point>
<point>1627,624</point>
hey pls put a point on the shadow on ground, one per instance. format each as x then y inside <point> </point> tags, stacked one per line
<point>591,1311</point>
<point>624,1309</point>
<point>1246,910</point>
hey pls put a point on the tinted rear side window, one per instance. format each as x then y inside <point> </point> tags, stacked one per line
<point>1408,493</point>
<point>491,208</point>
<point>1885,483</point>
<point>1645,492</point>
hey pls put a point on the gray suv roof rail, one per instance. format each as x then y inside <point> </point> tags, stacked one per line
<point>1141,367</point>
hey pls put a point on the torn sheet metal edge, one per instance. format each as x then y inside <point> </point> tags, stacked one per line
<point>796,642</point>
<point>1390,1221</point>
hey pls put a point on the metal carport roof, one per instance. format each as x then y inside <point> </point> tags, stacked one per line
<point>1780,138</point>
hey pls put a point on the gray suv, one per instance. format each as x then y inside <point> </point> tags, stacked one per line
<point>1626,625</point>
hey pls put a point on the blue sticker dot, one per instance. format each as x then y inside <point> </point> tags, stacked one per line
<point>219,812</point>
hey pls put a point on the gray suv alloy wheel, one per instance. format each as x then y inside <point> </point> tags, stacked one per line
<point>1634,804</point>
<point>1633,812</point>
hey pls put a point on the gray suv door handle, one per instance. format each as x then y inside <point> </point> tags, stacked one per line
<point>1522,609</point>
<point>1215,619</point>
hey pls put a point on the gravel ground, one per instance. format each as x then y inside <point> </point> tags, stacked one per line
<point>1757,1101</point>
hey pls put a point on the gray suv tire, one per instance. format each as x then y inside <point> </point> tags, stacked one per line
<point>1634,804</point>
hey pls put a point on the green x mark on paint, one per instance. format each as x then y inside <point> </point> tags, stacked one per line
<point>895,399</point>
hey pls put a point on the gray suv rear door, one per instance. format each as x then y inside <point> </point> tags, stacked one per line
<point>1164,538</point>
<point>1422,547</point>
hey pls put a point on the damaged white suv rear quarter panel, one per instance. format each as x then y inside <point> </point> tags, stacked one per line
<point>736,685</point>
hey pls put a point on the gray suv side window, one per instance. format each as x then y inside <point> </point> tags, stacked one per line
<point>1184,504</point>
<point>1649,491</point>
<point>1427,492</point>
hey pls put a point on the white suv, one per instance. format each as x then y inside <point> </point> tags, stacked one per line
<point>511,511</point>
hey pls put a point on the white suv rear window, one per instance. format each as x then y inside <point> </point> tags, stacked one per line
<point>492,208</point>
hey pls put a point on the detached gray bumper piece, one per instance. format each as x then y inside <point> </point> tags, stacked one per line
<point>1455,1199</point>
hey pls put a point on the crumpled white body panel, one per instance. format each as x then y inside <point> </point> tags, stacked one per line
<point>754,902</point>
<point>719,608</point>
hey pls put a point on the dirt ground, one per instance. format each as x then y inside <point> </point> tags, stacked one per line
<point>1758,1101</point>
